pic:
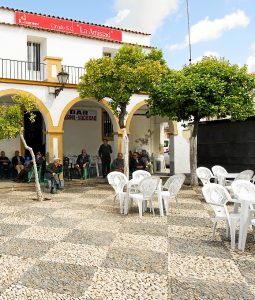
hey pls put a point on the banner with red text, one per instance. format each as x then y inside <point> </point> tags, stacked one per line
<point>67,26</point>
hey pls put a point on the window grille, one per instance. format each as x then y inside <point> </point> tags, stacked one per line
<point>33,56</point>
<point>107,125</point>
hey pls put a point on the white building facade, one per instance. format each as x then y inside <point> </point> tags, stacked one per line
<point>35,48</point>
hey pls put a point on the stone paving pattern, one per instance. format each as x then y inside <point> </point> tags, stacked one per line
<point>78,247</point>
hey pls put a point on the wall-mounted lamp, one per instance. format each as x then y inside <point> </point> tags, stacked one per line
<point>62,79</point>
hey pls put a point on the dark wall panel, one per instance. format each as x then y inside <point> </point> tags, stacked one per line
<point>226,143</point>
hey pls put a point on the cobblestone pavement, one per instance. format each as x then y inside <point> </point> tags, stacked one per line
<point>78,246</point>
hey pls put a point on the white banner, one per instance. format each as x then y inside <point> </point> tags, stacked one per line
<point>81,115</point>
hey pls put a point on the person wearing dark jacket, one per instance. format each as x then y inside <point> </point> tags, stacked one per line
<point>136,163</point>
<point>52,173</point>
<point>104,153</point>
<point>82,162</point>
<point>5,165</point>
<point>18,162</point>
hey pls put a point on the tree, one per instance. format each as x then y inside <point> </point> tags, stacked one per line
<point>210,88</point>
<point>130,72</point>
<point>11,124</point>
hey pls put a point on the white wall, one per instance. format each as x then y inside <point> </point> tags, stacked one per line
<point>83,134</point>
<point>9,146</point>
<point>181,150</point>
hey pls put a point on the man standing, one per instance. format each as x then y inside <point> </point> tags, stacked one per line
<point>104,153</point>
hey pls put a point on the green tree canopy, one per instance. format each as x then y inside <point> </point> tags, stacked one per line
<point>210,88</point>
<point>11,116</point>
<point>131,71</point>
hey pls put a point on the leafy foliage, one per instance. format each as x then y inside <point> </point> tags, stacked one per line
<point>131,71</point>
<point>210,88</point>
<point>11,116</point>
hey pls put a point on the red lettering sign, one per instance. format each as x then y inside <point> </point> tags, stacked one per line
<point>38,21</point>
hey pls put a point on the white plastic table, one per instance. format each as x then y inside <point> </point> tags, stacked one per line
<point>246,201</point>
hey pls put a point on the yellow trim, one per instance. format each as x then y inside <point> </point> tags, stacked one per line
<point>52,61</point>
<point>138,106</point>
<point>42,108</point>
<point>34,82</point>
<point>78,99</point>
<point>120,138</point>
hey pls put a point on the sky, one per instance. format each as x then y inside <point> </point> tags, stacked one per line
<point>222,28</point>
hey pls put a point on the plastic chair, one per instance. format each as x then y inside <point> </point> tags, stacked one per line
<point>204,174</point>
<point>86,173</point>
<point>244,175</point>
<point>241,187</point>
<point>137,176</point>
<point>171,189</point>
<point>118,181</point>
<point>217,197</point>
<point>146,190</point>
<point>31,173</point>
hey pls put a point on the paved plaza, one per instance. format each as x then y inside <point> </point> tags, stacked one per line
<point>78,246</point>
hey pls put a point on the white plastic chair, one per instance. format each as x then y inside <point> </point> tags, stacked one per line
<point>118,181</point>
<point>204,174</point>
<point>244,187</point>
<point>137,176</point>
<point>146,190</point>
<point>171,188</point>
<point>218,197</point>
<point>244,175</point>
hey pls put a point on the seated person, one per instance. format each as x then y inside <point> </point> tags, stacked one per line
<point>22,175</point>
<point>118,163</point>
<point>83,161</point>
<point>52,173</point>
<point>5,165</point>
<point>135,163</point>
<point>18,162</point>
<point>145,159</point>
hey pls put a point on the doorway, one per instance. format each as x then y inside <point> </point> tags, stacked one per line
<point>34,133</point>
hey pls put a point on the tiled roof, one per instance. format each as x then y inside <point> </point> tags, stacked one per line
<point>29,12</point>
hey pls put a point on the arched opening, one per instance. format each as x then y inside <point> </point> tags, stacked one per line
<point>34,133</point>
<point>85,124</point>
<point>153,134</point>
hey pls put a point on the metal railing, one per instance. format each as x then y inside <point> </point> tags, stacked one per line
<point>74,73</point>
<point>22,70</point>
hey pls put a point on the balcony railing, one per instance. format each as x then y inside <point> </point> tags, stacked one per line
<point>23,70</point>
<point>74,73</point>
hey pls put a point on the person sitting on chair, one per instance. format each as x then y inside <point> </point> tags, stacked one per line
<point>52,174</point>
<point>82,163</point>
<point>135,163</point>
<point>118,163</point>
<point>5,165</point>
<point>18,162</point>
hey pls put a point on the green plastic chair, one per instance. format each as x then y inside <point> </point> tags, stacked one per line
<point>31,174</point>
<point>86,173</point>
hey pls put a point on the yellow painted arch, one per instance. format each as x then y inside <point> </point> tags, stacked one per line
<point>78,99</point>
<point>42,108</point>
<point>138,106</point>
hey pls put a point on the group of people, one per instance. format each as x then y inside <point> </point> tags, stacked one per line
<point>17,167</point>
<point>137,161</point>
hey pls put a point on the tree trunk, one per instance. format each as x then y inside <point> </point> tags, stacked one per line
<point>37,184</point>
<point>193,153</point>
<point>125,147</point>
<point>125,140</point>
